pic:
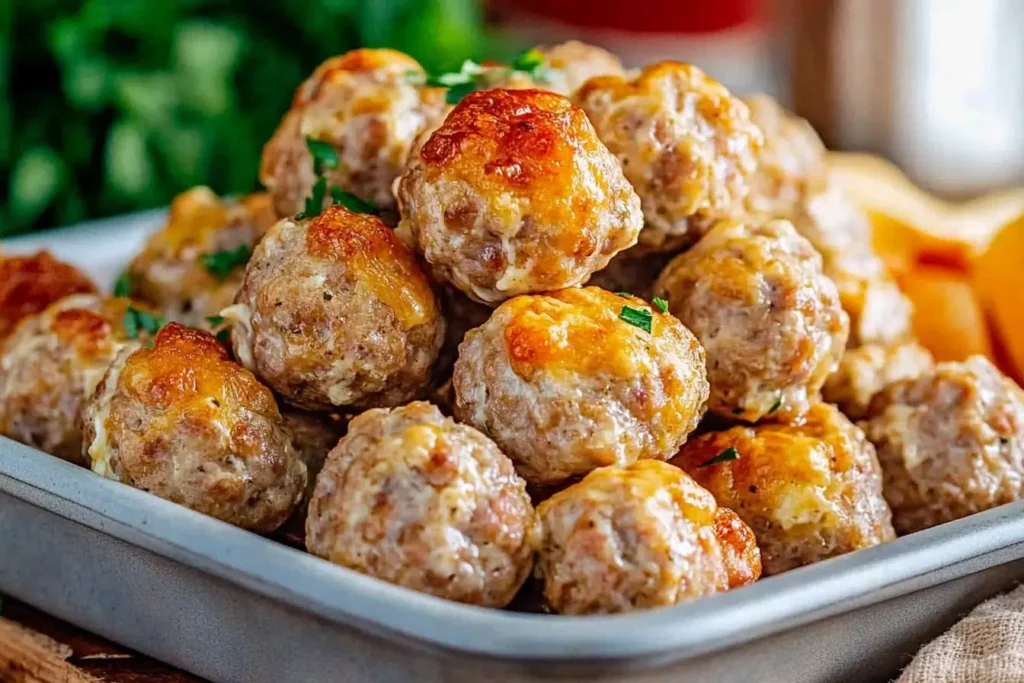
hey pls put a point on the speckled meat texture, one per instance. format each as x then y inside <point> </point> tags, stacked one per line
<point>768,319</point>
<point>410,497</point>
<point>792,163</point>
<point>336,311</point>
<point>810,491</point>
<point>50,366</point>
<point>515,194</point>
<point>368,107</point>
<point>951,443</point>
<point>638,537</point>
<point>564,385</point>
<point>183,422</point>
<point>30,283</point>
<point>170,272</point>
<point>866,370</point>
<point>687,146</point>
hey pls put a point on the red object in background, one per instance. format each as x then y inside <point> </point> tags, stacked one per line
<point>645,16</point>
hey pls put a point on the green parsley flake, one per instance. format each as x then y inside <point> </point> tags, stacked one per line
<point>529,60</point>
<point>221,263</point>
<point>352,202</point>
<point>136,321</point>
<point>727,455</point>
<point>660,304</point>
<point>224,336</point>
<point>215,320</point>
<point>315,200</point>
<point>637,317</point>
<point>775,406</point>
<point>623,294</point>
<point>123,286</point>
<point>324,156</point>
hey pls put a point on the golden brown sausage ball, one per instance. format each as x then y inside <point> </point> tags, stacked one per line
<point>192,267</point>
<point>183,422</point>
<point>50,366</point>
<point>792,163</point>
<point>687,146</point>
<point>367,106</point>
<point>335,311</point>
<point>768,319</point>
<point>810,491</point>
<point>951,443</point>
<point>515,194</point>
<point>28,284</point>
<point>866,370</point>
<point>637,537</point>
<point>410,497</point>
<point>564,384</point>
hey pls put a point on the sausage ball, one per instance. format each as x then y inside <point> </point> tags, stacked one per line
<point>791,164</point>
<point>313,436</point>
<point>192,267</point>
<point>637,537</point>
<point>367,106</point>
<point>335,311</point>
<point>767,317</point>
<point>28,284</point>
<point>951,443</point>
<point>515,194</point>
<point>810,491</point>
<point>564,384</point>
<point>687,146</point>
<point>566,67</point>
<point>50,366</point>
<point>410,497</point>
<point>866,370</point>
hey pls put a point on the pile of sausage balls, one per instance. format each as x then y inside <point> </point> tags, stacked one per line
<point>609,335</point>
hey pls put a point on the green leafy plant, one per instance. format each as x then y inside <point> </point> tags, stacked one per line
<point>111,106</point>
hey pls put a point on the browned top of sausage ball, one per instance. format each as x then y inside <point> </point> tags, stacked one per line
<point>410,497</point>
<point>367,106</point>
<point>686,144</point>
<point>336,311</point>
<point>172,271</point>
<point>866,370</point>
<point>951,442</point>
<point>182,421</point>
<point>564,384</point>
<point>791,164</point>
<point>637,537</point>
<point>514,193</point>
<point>768,319</point>
<point>809,491</point>
<point>28,284</point>
<point>51,364</point>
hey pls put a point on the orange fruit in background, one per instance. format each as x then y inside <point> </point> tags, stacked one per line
<point>949,319</point>
<point>999,282</point>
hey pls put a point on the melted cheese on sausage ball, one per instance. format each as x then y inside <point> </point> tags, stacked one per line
<point>769,320</point>
<point>183,422</point>
<point>564,385</point>
<point>637,537</point>
<point>410,497</point>
<point>686,144</point>
<point>515,194</point>
<point>335,311</point>
<point>28,284</point>
<point>367,107</point>
<point>866,370</point>
<point>810,491</point>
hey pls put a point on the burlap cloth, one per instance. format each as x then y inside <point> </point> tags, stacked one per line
<point>987,646</point>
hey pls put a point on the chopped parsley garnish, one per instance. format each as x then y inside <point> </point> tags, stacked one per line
<point>623,294</point>
<point>660,304</point>
<point>123,285</point>
<point>529,61</point>
<point>224,336</point>
<point>467,73</point>
<point>727,455</point>
<point>776,405</point>
<point>637,317</point>
<point>324,156</point>
<point>352,202</point>
<point>136,321</point>
<point>221,263</point>
<point>457,92</point>
<point>472,75</point>
<point>315,200</point>
<point>215,320</point>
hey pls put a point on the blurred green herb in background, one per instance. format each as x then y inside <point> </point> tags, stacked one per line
<point>115,105</point>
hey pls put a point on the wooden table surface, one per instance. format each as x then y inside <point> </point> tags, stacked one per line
<point>28,655</point>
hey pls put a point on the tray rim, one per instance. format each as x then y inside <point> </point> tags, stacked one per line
<point>309,584</point>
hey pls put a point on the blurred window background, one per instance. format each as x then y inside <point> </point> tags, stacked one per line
<point>116,105</point>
